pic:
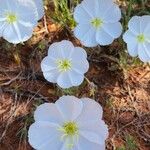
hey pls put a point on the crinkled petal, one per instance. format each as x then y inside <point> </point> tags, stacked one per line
<point>147,48</point>
<point>81,15</point>
<point>55,51</point>
<point>103,38</point>
<point>129,37</point>
<point>3,7</point>
<point>76,78</point>
<point>143,54</point>
<point>132,49</point>
<point>91,112</point>
<point>90,7</point>
<point>134,25</point>
<point>67,48</point>
<point>48,112</point>
<point>79,53</point>
<point>17,33</point>
<point>61,50</point>
<point>48,64</point>
<point>147,33</point>
<point>2,27</point>
<point>132,44</point>
<point>111,13</point>
<point>64,80</point>
<point>145,23</point>
<point>86,34</point>
<point>51,75</point>
<point>114,29</point>
<point>40,8</point>
<point>80,66</point>
<point>94,131</point>
<point>44,135</point>
<point>27,12</point>
<point>70,107</point>
<point>85,144</point>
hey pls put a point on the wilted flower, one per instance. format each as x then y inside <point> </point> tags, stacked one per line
<point>17,20</point>
<point>98,22</point>
<point>65,64</point>
<point>137,37</point>
<point>70,123</point>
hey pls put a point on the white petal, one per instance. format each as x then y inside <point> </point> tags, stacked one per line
<point>103,38</point>
<point>81,15</point>
<point>67,48</point>
<point>91,112</point>
<point>79,53</point>
<point>44,135</point>
<point>51,75</point>
<point>81,66</point>
<point>76,78</point>
<point>48,64</point>
<point>99,128</point>
<point>64,80</point>
<point>27,13</point>
<point>55,51</point>
<point>147,48</point>
<point>132,44</point>
<point>143,54</point>
<point>2,27</point>
<point>112,13</point>
<point>129,37</point>
<point>16,34</point>
<point>103,6</point>
<point>40,8</point>
<point>132,49</point>
<point>114,29</point>
<point>90,7</point>
<point>84,144</point>
<point>3,7</point>
<point>145,22</point>
<point>134,25</point>
<point>48,112</point>
<point>86,34</point>
<point>70,107</point>
<point>147,32</point>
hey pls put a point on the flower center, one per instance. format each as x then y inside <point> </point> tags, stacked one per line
<point>69,131</point>
<point>70,128</point>
<point>141,38</point>
<point>97,23</point>
<point>11,18</point>
<point>64,65</point>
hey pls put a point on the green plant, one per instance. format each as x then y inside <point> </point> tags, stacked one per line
<point>63,12</point>
<point>131,143</point>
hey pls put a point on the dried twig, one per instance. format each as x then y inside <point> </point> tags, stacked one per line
<point>11,80</point>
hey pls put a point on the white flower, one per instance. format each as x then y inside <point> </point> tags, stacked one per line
<point>98,22</point>
<point>70,123</point>
<point>17,20</point>
<point>65,64</point>
<point>137,37</point>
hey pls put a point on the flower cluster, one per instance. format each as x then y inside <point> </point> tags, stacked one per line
<point>18,19</point>
<point>70,123</point>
